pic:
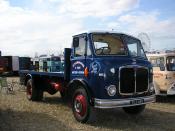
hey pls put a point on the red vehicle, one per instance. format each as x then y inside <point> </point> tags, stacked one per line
<point>2,64</point>
<point>11,65</point>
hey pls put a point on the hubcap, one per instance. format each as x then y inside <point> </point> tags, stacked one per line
<point>80,105</point>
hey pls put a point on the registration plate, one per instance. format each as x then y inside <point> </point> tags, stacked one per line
<point>138,101</point>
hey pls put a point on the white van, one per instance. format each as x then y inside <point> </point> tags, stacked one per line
<point>163,72</point>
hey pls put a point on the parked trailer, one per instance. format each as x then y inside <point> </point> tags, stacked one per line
<point>1,65</point>
<point>101,70</point>
<point>12,65</point>
<point>3,62</point>
<point>164,72</point>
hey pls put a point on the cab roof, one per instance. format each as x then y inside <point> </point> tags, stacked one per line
<point>104,32</point>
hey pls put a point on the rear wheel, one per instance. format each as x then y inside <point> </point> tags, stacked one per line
<point>82,110</point>
<point>134,109</point>
<point>33,93</point>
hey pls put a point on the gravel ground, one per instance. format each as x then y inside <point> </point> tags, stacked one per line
<point>19,114</point>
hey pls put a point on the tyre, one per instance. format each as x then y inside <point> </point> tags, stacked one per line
<point>134,109</point>
<point>82,110</point>
<point>33,93</point>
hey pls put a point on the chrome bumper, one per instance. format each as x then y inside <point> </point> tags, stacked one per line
<point>114,103</point>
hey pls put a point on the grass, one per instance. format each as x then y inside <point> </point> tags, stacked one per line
<point>19,114</point>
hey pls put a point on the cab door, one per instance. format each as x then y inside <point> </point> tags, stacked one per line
<point>78,62</point>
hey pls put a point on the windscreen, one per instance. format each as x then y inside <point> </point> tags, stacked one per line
<point>112,44</point>
<point>108,44</point>
<point>157,61</point>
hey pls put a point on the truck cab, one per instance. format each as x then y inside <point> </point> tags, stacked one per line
<point>114,70</point>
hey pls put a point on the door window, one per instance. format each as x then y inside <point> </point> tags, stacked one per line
<point>80,50</point>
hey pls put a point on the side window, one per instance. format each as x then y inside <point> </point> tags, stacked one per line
<point>80,50</point>
<point>133,49</point>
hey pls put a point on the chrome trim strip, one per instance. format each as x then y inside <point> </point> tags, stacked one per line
<point>114,103</point>
<point>132,66</point>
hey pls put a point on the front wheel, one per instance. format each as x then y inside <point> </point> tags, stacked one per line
<point>82,110</point>
<point>134,109</point>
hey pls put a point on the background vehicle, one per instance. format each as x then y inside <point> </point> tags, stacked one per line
<point>54,64</point>
<point>101,70</point>
<point>11,65</point>
<point>35,64</point>
<point>43,63</point>
<point>3,62</point>
<point>164,72</point>
<point>24,63</point>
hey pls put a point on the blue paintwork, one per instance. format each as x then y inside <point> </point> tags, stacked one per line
<point>98,83</point>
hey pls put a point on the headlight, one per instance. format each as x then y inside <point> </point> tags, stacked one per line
<point>151,71</point>
<point>111,90</point>
<point>151,87</point>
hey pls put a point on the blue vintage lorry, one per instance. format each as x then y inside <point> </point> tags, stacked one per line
<point>101,70</point>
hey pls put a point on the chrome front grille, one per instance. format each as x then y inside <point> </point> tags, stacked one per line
<point>133,80</point>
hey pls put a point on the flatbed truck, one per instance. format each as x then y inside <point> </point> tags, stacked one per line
<point>101,70</point>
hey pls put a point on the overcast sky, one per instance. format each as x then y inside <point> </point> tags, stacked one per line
<point>47,26</point>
